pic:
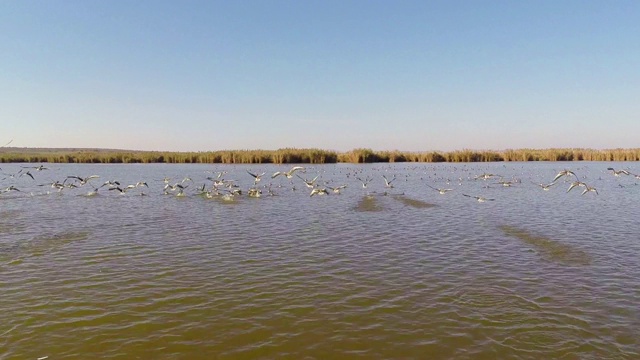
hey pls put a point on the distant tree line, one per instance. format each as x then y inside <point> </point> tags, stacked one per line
<point>307,156</point>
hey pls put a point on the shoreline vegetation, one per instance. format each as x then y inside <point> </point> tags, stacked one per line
<point>306,156</point>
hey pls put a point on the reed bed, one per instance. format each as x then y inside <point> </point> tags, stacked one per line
<point>308,156</point>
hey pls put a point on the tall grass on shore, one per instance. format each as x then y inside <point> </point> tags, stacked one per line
<point>104,156</point>
<point>308,156</point>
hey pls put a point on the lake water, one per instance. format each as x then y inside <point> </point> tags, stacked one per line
<point>371,273</point>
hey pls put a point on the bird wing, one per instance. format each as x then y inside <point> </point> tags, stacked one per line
<point>560,174</point>
<point>433,187</point>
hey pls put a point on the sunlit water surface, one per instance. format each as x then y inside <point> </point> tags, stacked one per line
<point>375,272</point>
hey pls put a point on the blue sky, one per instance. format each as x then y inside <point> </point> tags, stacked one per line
<point>406,75</point>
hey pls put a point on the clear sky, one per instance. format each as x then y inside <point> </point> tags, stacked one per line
<point>267,74</point>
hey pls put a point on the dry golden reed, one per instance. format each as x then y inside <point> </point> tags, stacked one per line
<point>308,156</point>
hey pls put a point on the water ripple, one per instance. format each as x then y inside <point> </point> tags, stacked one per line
<point>354,275</point>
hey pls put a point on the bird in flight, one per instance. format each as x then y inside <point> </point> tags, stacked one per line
<point>545,187</point>
<point>576,183</point>
<point>319,191</point>
<point>288,174</point>
<point>564,173</point>
<point>83,180</point>
<point>619,172</point>
<point>256,177</point>
<point>479,198</point>
<point>309,183</point>
<point>364,182</point>
<point>387,182</point>
<point>336,190</point>
<point>441,191</point>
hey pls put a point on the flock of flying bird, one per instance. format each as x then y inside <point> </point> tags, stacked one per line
<point>228,189</point>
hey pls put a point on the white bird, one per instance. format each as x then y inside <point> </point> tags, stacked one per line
<point>479,198</point>
<point>441,191</point>
<point>545,187</point>
<point>576,183</point>
<point>588,189</point>
<point>256,177</point>
<point>111,183</point>
<point>288,174</point>
<point>37,168</point>
<point>484,176</point>
<point>55,185</point>
<point>564,173</point>
<point>10,188</point>
<point>253,192</point>
<point>122,191</point>
<point>175,187</point>
<point>309,183</point>
<point>387,183</point>
<point>319,191</point>
<point>83,180</point>
<point>336,190</point>
<point>618,172</point>
<point>364,182</point>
